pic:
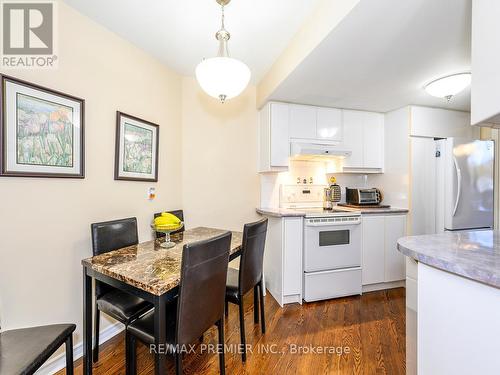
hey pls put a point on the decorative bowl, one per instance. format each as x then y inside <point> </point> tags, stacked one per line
<point>168,244</point>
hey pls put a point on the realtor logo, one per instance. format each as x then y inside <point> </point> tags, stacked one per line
<point>28,30</point>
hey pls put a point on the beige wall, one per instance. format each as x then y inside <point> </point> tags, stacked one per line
<point>208,154</point>
<point>219,163</point>
<point>45,223</point>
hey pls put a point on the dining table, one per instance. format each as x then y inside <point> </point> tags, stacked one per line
<point>148,271</point>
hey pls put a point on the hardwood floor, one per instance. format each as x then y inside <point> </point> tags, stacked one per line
<point>371,326</point>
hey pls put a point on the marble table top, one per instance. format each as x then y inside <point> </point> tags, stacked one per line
<point>150,267</point>
<point>473,254</point>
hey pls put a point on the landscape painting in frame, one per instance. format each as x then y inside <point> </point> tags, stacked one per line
<point>136,156</point>
<point>42,132</point>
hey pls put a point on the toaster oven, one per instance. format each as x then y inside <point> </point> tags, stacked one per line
<point>362,196</point>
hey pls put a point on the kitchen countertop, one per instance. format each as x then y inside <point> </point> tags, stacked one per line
<point>280,212</point>
<point>375,210</point>
<point>284,212</point>
<point>474,255</point>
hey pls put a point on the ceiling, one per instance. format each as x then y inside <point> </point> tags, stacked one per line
<point>182,33</point>
<point>381,55</point>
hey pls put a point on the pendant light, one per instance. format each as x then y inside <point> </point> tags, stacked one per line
<point>448,86</point>
<point>223,77</point>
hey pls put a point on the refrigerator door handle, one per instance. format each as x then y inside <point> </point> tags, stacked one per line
<point>459,184</point>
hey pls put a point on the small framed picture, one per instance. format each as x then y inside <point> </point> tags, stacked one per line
<point>136,150</point>
<point>41,131</point>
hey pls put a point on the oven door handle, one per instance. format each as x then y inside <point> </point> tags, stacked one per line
<point>329,224</point>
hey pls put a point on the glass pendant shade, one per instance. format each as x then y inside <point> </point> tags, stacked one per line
<point>448,86</point>
<point>223,77</point>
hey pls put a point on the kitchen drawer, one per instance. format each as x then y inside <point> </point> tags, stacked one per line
<point>331,284</point>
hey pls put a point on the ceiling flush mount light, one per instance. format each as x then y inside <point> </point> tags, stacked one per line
<point>222,77</point>
<point>448,86</point>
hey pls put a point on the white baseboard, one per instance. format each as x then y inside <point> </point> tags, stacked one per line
<point>58,363</point>
<point>382,286</point>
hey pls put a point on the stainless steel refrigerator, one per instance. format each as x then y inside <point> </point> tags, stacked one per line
<point>466,173</point>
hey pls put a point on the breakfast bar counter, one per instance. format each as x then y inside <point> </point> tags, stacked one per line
<point>458,301</point>
<point>474,254</point>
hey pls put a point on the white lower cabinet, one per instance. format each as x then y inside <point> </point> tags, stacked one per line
<point>283,259</point>
<point>284,268</point>
<point>373,244</point>
<point>292,256</point>
<point>381,261</point>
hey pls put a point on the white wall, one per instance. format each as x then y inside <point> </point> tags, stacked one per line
<point>395,181</point>
<point>442,123</point>
<point>219,147</point>
<point>45,223</point>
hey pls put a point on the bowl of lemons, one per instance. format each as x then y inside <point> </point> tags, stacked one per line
<point>167,223</point>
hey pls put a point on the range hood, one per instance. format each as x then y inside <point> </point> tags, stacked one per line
<point>317,151</point>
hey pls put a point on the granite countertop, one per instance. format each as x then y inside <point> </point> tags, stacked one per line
<point>280,212</point>
<point>284,212</point>
<point>474,254</point>
<point>375,210</point>
<point>150,267</point>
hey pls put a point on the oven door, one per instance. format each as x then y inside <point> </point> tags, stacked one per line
<point>332,243</point>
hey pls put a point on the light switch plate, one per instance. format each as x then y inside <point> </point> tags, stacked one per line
<point>151,193</point>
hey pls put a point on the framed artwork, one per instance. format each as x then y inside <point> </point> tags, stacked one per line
<point>41,131</point>
<point>136,149</point>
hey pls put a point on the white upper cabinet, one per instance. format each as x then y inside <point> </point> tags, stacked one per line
<point>363,135</point>
<point>373,140</point>
<point>485,106</point>
<point>274,143</point>
<point>360,132</point>
<point>329,124</point>
<point>280,149</point>
<point>302,121</point>
<point>353,138</point>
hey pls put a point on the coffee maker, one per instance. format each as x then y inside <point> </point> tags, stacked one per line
<point>331,195</point>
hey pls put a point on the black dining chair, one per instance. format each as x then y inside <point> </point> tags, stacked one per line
<point>25,350</point>
<point>177,233</point>
<point>124,307</point>
<point>200,303</point>
<point>249,276</point>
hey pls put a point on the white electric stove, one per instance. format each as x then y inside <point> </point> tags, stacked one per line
<point>332,244</point>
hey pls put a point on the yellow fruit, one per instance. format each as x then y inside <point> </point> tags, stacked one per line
<point>167,227</point>
<point>161,220</point>
<point>170,218</point>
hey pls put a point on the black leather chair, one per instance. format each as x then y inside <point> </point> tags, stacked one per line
<point>23,351</point>
<point>249,276</point>
<point>200,303</point>
<point>124,307</point>
<point>175,234</point>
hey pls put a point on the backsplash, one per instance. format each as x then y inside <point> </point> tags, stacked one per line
<point>319,172</point>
